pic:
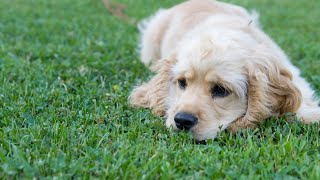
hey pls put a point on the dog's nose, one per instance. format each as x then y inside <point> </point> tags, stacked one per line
<point>185,121</point>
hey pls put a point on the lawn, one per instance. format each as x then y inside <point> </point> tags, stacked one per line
<point>67,68</point>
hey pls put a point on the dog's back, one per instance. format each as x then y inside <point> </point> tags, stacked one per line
<point>162,32</point>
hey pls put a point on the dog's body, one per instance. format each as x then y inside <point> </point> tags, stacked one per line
<point>216,69</point>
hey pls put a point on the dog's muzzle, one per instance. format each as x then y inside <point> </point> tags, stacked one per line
<point>185,121</point>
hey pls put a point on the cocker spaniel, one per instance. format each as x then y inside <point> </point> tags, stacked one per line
<point>216,69</point>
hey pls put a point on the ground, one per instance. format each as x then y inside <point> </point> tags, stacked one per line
<point>66,70</point>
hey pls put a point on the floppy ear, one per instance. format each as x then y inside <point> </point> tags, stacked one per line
<point>270,92</point>
<point>152,94</point>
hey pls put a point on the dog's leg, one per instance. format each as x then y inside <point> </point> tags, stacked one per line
<point>309,111</point>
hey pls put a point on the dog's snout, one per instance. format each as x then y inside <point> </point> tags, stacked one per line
<point>185,121</point>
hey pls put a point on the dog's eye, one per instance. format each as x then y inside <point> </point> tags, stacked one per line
<point>219,91</point>
<point>182,83</point>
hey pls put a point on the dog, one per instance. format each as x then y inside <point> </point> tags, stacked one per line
<point>216,69</point>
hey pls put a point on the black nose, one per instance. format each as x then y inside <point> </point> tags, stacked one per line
<point>185,120</point>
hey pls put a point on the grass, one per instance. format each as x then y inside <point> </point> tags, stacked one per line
<point>67,67</point>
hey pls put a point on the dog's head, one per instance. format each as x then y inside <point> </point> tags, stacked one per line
<point>212,82</point>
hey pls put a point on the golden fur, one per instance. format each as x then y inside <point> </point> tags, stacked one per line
<point>209,43</point>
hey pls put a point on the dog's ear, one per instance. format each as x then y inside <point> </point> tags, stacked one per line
<point>270,92</point>
<point>152,94</point>
<point>282,93</point>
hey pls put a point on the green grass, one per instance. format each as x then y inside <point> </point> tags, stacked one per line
<point>67,67</point>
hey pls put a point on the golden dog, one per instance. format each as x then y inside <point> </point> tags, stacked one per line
<point>217,69</point>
